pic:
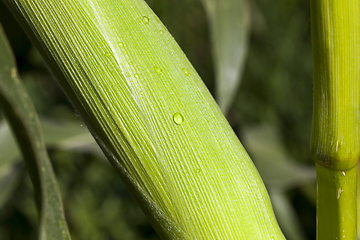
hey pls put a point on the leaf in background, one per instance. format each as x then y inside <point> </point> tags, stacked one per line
<point>9,171</point>
<point>276,167</point>
<point>229,24</point>
<point>63,135</point>
<point>280,173</point>
<point>286,215</point>
<point>9,150</point>
<point>21,115</point>
<point>9,179</point>
<point>69,135</point>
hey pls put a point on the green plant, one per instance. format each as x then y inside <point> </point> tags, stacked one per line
<point>335,141</point>
<point>155,70</point>
<point>21,114</point>
<point>158,143</point>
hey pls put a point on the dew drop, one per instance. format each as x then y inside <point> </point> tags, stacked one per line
<point>198,170</point>
<point>107,54</point>
<point>127,74</point>
<point>145,20</point>
<point>186,71</point>
<point>161,32</point>
<point>137,75</point>
<point>178,118</point>
<point>158,70</point>
<point>120,44</point>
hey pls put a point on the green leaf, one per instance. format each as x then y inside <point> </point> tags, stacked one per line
<point>9,179</point>
<point>276,167</point>
<point>22,117</point>
<point>153,117</point>
<point>229,25</point>
<point>8,147</point>
<point>286,216</point>
<point>58,134</point>
<point>9,169</point>
<point>69,135</point>
<point>280,173</point>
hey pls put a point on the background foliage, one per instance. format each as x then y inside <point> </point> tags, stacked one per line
<point>271,115</point>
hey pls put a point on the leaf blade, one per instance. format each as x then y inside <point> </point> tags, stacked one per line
<point>229,26</point>
<point>21,115</point>
<point>188,175</point>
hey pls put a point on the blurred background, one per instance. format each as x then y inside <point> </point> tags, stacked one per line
<point>270,112</point>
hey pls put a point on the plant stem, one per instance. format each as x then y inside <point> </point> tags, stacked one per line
<point>336,203</point>
<point>335,136</point>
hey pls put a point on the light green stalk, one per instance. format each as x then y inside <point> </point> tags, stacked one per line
<point>335,141</point>
<point>152,116</point>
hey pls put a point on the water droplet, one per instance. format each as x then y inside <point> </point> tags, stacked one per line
<point>127,74</point>
<point>186,71</point>
<point>161,32</point>
<point>124,51</point>
<point>137,75</point>
<point>158,70</point>
<point>107,54</point>
<point>178,118</point>
<point>198,170</point>
<point>120,44</point>
<point>145,20</point>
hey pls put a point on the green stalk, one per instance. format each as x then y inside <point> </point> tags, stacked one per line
<point>153,117</point>
<point>335,140</point>
<point>336,203</point>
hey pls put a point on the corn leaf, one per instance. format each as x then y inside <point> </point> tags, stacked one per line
<point>21,115</point>
<point>153,117</point>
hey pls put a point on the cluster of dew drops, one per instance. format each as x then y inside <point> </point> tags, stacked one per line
<point>177,117</point>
